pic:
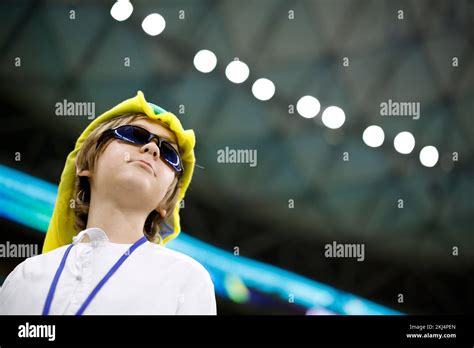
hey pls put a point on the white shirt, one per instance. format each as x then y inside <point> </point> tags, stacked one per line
<point>152,280</point>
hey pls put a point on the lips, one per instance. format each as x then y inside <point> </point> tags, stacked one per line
<point>147,164</point>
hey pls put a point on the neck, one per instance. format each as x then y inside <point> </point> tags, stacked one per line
<point>122,225</point>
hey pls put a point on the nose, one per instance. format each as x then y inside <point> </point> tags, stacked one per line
<point>151,148</point>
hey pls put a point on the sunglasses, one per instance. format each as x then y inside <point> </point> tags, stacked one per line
<point>140,136</point>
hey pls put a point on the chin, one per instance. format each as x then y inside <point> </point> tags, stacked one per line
<point>131,179</point>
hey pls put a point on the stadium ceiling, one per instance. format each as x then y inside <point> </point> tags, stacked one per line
<point>298,159</point>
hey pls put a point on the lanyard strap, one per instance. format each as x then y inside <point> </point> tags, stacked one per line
<point>115,267</point>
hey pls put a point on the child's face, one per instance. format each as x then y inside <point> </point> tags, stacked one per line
<point>120,173</point>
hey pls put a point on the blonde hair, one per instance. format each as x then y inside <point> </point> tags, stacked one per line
<point>87,158</point>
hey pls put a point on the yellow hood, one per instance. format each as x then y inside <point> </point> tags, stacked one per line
<point>61,227</point>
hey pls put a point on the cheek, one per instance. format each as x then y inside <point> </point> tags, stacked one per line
<point>111,160</point>
<point>114,155</point>
<point>164,176</point>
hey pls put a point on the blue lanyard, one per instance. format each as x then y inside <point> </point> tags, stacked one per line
<point>115,267</point>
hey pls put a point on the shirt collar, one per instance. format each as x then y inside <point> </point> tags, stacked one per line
<point>96,236</point>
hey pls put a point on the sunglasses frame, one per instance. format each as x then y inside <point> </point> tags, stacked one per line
<point>112,132</point>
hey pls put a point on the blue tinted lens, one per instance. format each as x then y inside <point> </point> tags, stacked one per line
<point>133,134</point>
<point>170,155</point>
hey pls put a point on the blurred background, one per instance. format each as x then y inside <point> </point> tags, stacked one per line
<point>261,231</point>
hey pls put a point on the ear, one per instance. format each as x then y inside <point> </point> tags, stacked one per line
<point>161,211</point>
<point>84,172</point>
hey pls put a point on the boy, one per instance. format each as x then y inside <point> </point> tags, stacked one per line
<point>120,189</point>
